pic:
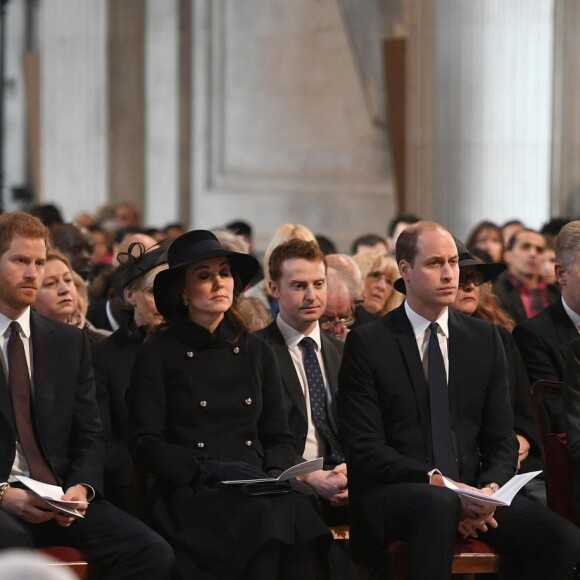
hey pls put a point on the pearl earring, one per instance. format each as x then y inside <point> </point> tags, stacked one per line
<point>185,301</point>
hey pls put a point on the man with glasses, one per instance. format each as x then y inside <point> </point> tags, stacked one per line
<point>339,314</point>
<point>521,291</point>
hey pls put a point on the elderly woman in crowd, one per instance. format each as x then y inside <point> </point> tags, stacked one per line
<point>379,272</point>
<point>113,360</point>
<point>59,298</point>
<point>205,403</point>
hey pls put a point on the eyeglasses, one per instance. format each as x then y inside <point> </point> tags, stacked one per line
<point>474,277</point>
<point>329,322</point>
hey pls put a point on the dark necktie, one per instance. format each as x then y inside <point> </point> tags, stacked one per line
<point>444,456</point>
<point>318,400</point>
<point>19,382</point>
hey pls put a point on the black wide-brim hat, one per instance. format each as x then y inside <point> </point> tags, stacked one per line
<point>490,270</point>
<point>193,247</point>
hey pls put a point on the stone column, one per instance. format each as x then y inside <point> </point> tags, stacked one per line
<point>162,112</point>
<point>73,49</point>
<point>565,178</point>
<point>493,111</point>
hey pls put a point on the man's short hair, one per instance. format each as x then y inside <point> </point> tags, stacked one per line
<point>22,224</point>
<point>367,240</point>
<point>568,244</point>
<point>291,250</point>
<point>406,248</point>
<point>513,240</point>
<point>407,218</point>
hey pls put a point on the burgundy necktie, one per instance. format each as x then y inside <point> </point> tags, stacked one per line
<point>19,382</point>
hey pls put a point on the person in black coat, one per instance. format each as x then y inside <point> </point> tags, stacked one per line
<point>205,406</point>
<point>399,444</point>
<point>113,360</point>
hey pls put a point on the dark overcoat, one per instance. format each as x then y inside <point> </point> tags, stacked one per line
<point>196,401</point>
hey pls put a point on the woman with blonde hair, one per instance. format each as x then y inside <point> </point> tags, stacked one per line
<point>61,299</point>
<point>379,272</point>
<point>282,234</point>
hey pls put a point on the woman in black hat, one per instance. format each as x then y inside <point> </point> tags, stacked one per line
<point>205,405</point>
<point>113,360</point>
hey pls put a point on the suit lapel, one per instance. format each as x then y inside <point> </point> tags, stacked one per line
<point>403,332</point>
<point>289,376</point>
<point>564,327</point>
<point>6,401</point>
<point>45,360</point>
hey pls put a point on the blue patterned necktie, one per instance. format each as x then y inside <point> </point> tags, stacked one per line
<point>443,453</point>
<point>317,393</point>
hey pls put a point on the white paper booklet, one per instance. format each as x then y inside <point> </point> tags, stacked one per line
<point>503,496</point>
<point>51,494</point>
<point>294,471</point>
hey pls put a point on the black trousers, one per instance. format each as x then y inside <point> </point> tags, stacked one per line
<point>535,542</point>
<point>121,545</point>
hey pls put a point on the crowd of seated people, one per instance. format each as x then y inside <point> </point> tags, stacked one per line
<point>209,365</point>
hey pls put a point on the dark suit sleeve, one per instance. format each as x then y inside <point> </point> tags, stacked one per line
<point>496,442</point>
<point>102,389</point>
<point>572,399</point>
<point>275,436</point>
<point>86,451</point>
<point>535,354</point>
<point>369,456</point>
<point>524,423</point>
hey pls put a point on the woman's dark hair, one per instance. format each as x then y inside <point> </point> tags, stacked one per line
<point>176,307</point>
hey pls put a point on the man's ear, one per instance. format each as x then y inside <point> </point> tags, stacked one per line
<point>404,268</point>
<point>561,274</point>
<point>273,287</point>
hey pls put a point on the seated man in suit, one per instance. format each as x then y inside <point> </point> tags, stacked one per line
<point>298,282</point>
<point>544,340</point>
<point>423,391</point>
<point>520,289</point>
<point>50,427</point>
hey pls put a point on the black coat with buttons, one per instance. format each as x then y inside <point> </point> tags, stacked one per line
<point>196,401</point>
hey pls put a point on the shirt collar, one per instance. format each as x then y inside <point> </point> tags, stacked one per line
<point>574,316</point>
<point>292,336</point>
<point>420,324</point>
<point>24,322</point>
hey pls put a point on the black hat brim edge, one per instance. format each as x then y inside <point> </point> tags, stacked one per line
<point>244,265</point>
<point>490,271</point>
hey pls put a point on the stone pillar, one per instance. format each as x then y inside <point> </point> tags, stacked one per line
<point>162,112</point>
<point>565,179</point>
<point>14,154</point>
<point>73,49</point>
<point>493,111</point>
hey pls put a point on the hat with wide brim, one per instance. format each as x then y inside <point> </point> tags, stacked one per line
<point>490,270</point>
<point>193,247</point>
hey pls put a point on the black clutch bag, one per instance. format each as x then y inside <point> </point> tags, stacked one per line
<point>265,488</point>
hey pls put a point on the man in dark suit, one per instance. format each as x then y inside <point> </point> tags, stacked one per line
<point>544,340</point>
<point>424,393</point>
<point>298,282</point>
<point>520,289</point>
<point>55,436</point>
